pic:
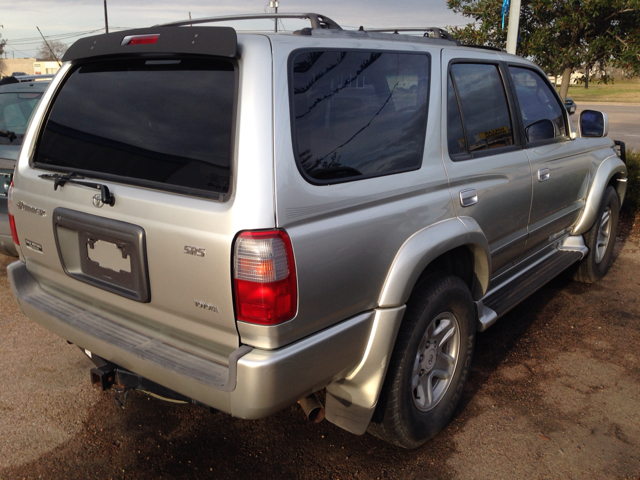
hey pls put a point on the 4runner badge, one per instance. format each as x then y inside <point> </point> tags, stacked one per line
<point>28,208</point>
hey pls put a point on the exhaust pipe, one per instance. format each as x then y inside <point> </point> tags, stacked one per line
<point>312,408</point>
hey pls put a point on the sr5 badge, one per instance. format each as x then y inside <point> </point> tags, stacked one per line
<point>195,251</point>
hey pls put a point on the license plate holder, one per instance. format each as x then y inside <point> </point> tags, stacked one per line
<point>88,247</point>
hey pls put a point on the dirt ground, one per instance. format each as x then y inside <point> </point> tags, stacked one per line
<point>554,392</point>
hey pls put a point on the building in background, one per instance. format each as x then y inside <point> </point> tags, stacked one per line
<point>42,67</point>
<point>10,65</point>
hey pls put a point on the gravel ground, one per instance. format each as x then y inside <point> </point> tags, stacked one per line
<point>554,392</point>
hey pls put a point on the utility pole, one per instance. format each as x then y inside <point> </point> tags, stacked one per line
<point>514,23</point>
<point>106,20</point>
<point>586,79</point>
<point>273,4</point>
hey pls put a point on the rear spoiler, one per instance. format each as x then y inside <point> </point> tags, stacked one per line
<point>218,41</point>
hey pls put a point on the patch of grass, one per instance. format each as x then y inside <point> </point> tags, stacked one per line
<point>632,198</point>
<point>618,92</point>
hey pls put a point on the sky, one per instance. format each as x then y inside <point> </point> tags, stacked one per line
<point>68,20</point>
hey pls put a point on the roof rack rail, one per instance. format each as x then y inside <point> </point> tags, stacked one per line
<point>436,31</point>
<point>484,47</point>
<point>317,20</point>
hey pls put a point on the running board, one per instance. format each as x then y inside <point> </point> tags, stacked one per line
<point>507,294</point>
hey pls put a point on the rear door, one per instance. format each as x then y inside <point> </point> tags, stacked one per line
<point>489,172</point>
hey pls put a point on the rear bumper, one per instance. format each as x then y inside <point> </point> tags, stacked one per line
<point>254,384</point>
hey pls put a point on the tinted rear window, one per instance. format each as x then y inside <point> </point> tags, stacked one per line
<point>161,123</point>
<point>483,103</point>
<point>358,114</point>
<point>15,111</point>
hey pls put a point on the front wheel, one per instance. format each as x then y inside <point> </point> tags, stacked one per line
<point>429,365</point>
<point>600,240</point>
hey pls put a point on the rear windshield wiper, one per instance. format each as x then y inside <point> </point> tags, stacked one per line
<point>60,180</point>
<point>8,134</point>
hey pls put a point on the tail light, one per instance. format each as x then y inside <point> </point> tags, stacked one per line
<point>12,220</point>
<point>265,277</point>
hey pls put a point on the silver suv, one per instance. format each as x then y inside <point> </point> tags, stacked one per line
<point>242,220</point>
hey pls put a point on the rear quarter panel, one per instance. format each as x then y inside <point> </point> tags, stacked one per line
<point>346,236</point>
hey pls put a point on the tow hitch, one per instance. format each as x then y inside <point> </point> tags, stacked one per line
<point>109,376</point>
<point>103,377</point>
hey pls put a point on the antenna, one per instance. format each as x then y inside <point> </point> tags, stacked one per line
<point>48,46</point>
<point>274,4</point>
<point>106,19</point>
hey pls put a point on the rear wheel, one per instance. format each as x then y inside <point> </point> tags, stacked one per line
<point>429,365</point>
<point>600,240</point>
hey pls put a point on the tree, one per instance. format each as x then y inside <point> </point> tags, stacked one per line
<point>44,51</point>
<point>2,44</point>
<point>561,35</point>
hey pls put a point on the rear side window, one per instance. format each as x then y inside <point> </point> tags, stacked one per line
<point>358,114</point>
<point>537,101</point>
<point>160,123</point>
<point>481,99</point>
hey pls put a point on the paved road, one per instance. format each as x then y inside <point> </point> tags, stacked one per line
<point>624,121</point>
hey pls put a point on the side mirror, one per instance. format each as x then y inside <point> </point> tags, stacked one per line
<point>594,124</point>
<point>540,130</point>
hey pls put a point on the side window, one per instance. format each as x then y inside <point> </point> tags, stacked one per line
<point>483,104</point>
<point>537,104</point>
<point>358,114</point>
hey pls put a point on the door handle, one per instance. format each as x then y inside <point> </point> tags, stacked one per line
<point>468,197</point>
<point>543,174</point>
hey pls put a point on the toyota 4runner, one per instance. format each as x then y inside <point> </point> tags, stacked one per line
<point>242,220</point>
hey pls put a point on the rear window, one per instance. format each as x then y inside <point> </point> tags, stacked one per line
<point>161,123</point>
<point>358,114</point>
<point>15,111</point>
<point>477,92</point>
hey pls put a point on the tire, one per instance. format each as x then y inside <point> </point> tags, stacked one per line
<point>440,311</point>
<point>600,240</point>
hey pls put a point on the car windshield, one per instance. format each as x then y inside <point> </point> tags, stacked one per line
<point>15,111</point>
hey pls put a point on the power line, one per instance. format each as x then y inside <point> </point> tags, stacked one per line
<point>61,36</point>
<point>28,55</point>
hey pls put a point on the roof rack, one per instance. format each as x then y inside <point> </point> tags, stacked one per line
<point>437,32</point>
<point>484,47</point>
<point>317,20</point>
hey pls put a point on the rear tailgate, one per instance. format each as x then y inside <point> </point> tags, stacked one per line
<point>167,136</point>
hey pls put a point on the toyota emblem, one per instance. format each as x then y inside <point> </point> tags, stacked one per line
<point>97,201</point>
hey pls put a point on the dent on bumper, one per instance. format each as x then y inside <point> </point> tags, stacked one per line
<point>257,382</point>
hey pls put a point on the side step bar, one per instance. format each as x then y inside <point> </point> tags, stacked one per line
<point>512,290</point>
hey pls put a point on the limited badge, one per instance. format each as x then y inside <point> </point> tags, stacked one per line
<point>36,247</point>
